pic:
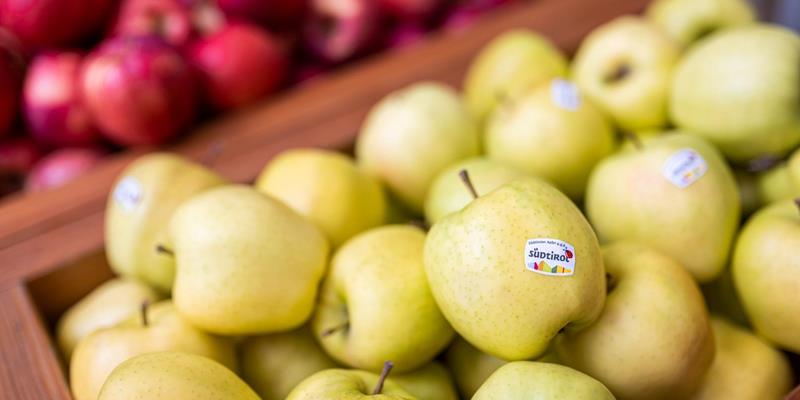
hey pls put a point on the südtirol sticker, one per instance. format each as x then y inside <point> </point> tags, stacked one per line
<point>550,257</point>
<point>128,193</point>
<point>684,167</point>
<point>565,94</point>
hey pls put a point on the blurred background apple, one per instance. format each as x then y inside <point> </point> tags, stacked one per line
<point>60,167</point>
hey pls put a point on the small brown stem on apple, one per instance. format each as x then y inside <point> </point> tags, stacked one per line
<point>160,248</point>
<point>143,309</point>
<point>634,139</point>
<point>797,203</point>
<point>334,329</point>
<point>387,367</point>
<point>619,73</point>
<point>464,175</point>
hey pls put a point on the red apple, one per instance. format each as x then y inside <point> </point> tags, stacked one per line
<point>11,75</point>
<point>175,21</point>
<point>60,167</point>
<point>18,155</point>
<point>43,24</point>
<point>139,90</point>
<point>406,35</point>
<point>340,29</point>
<point>239,64</point>
<point>275,14</point>
<point>54,111</point>
<point>412,10</point>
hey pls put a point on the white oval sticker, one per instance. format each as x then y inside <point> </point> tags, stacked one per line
<point>565,94</point>
<point>684,167</point>
<point>128,193</point>
<point>550,257</point>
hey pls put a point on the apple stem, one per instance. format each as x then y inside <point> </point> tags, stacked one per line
<point>634,139</point>
<point>143,310</point>
<point>387,367</point>
<point>160,248</point>
<point>464,175</point>
<point>797,203</point>
<point>619,73</point>
<point>332,330</point>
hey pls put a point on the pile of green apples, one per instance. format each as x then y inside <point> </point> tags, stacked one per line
<point>621,227</point>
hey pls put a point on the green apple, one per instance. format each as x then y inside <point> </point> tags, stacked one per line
<point>775,184</point>
<point>470,366</point>
<point>344,384</point>
<point>174,375</point>
<point>740,89</point>
<point>551,132</point>
<point>690,20</point>
<point>766,272</point>
<point>246,263</point>
<point>327,188</point>
<point>139,207</point>
<point>448,193</point>
<point>653,339</point>
<point>538,380</point>
<point>745,367</point>
<point>107,305</point>
<point>794,170</point>
<point>159,328</point>
<point>413,134</point>
<point>625,67</point>
<point>274,364</point>
<point>375,303</point>
<point>675,193</point>
<point>514,268</point>
<point>431,382</point>
<point>508,66</point>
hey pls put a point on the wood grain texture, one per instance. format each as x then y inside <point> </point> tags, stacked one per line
<point>51,243</point>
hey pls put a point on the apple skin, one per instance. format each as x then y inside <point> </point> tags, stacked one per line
<point>18,155</point>
<point>653,339</point>
<point>60,167</point>
<point>745,367</point>
<point>539,380</point>
<point>412,10</point>
<point>346,384</point>
<point>625,67</point>
<point>740,89</point>
<point>470,367</point>
<point>139,90</point>
<point>690,20</point>
<point>12,70</point>
<point>239,64</point>
<point>276,14</point>
<point>54,111</point>
<point>766,272</point>
<point>338,30</point>
<point>170,20</point>
<point>543,134</point>
<point>41,24</point>
<point>509,66</point>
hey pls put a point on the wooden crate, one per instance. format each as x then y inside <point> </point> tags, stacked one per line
<point>51,244</point>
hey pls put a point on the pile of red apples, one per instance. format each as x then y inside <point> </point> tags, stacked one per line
<point>82,78</point>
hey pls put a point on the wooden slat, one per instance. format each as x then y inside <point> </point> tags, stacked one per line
<point>29,368</point>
